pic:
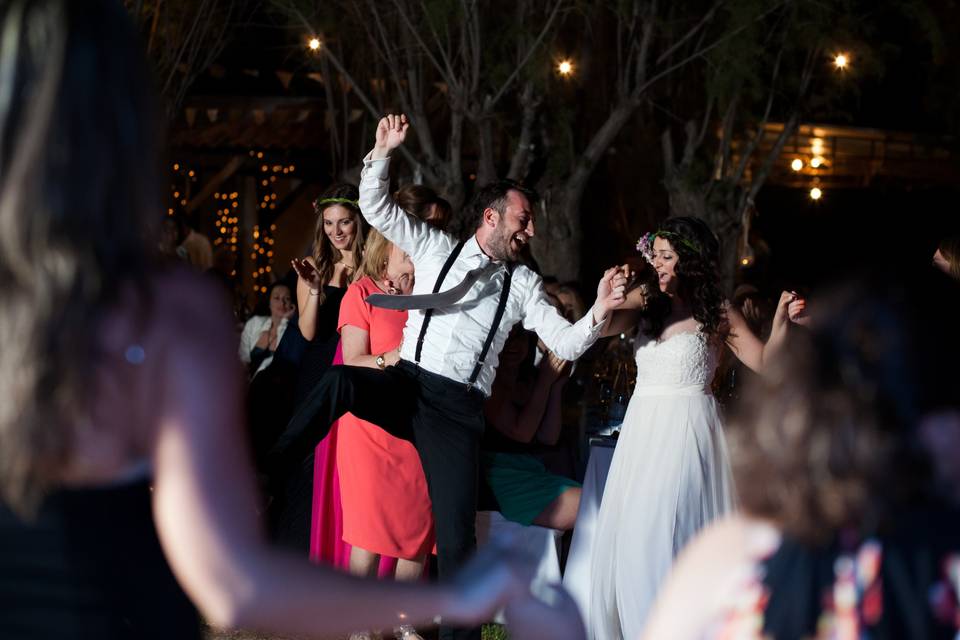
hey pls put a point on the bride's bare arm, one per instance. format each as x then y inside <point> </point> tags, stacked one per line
<point>205,502</point>
<point>626,316</point>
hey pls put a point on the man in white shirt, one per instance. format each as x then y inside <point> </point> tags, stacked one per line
<point>434,395</point>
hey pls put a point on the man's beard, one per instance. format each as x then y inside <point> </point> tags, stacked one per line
<point>501,249</point>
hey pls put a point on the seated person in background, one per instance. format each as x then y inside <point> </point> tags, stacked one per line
<point>523,408</point>
<point>845,531</point>
<point>261,333</point>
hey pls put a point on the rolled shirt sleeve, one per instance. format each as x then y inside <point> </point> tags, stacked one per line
<point>408,232</point>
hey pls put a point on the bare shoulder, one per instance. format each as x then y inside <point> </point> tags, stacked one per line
<point>708,571</point>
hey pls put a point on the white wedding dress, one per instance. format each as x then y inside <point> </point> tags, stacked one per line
<point>669,477</point>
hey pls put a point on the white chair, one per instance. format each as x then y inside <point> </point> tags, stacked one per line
<point>540,542</point>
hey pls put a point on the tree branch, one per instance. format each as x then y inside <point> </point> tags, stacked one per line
<point>526,58</point>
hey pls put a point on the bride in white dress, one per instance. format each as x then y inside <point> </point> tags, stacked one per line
<point>670,473</point>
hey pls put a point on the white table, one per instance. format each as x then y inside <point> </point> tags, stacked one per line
<point>576,576</point>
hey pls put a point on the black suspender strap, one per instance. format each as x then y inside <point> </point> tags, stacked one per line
<point>436,289</point>
<point>501,306</point>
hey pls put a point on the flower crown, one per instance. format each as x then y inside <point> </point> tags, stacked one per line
<point>320,202</point>
<point>645,243</point>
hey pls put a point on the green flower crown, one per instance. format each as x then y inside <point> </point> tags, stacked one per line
<point>317,204</point>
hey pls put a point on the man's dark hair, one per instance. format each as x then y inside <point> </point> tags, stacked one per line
<point>494,196</point>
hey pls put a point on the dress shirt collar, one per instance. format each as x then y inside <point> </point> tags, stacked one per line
<point>471,248</point>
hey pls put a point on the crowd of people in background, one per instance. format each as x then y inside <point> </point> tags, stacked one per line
<point>786,467</point>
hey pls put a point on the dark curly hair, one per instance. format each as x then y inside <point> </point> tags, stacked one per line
<point>825,440</point>
<point>698,277</point>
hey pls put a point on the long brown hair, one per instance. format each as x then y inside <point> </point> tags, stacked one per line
<point>78,182</point>
<point>325,255</point>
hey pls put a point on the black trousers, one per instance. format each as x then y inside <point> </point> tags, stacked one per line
<point>443,419</point>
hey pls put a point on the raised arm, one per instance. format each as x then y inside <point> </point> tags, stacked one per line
<point>748,348</point>
<point>408,232</point>
<point>205,506</point>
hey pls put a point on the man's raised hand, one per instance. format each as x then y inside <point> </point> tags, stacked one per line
<point>391,132</point>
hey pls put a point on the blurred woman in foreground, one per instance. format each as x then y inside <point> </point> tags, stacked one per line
<point>121,439</point>
<point>847,528</point>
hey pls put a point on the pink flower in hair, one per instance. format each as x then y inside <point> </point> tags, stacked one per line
<point>645,246</point>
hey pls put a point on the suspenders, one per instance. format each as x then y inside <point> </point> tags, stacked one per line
<point>436,289</point>
<point>501,307</point>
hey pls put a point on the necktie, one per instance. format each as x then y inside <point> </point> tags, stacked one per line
<point>430,300</point>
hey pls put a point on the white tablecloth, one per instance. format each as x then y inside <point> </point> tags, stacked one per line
<point>540,542</point>
<point>576,576</point>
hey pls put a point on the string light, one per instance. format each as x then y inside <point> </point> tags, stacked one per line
<point>314,44</point>
<point>816,161</point>
<point>841,60</point>
<point>565,68</point>
<point>797,164</point>
<point>816,193</point>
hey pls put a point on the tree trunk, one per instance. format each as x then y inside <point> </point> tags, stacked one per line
<point>556,244</point>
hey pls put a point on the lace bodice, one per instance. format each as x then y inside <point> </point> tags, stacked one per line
<point>683,359</point>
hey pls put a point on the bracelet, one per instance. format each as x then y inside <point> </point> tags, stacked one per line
<point>314,293</point>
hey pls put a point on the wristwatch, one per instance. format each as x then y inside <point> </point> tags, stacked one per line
<point>381,362</point>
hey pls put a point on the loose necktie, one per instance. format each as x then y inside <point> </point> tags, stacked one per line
<point>430,300</point>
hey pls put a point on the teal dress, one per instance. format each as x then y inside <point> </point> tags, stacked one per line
<point>515,482</point>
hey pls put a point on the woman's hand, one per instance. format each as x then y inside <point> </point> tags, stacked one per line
<point>308,273</point>
<point>797,311</point>
<point>392,357</point>
<point>790,308</point>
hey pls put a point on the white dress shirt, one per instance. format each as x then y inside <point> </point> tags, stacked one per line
<point>251,333</point>
<point>456,334</point>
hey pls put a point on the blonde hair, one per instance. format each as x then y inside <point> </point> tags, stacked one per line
<point>376,253</point>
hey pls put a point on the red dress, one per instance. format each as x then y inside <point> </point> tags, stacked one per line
<point>386,507</point>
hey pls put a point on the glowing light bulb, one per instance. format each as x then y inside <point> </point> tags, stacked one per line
<point>565,68</point>
<point>314,44</point>
<point>816,193</point>
<point>797,164</point>
<point>841,60</point>
<point>816,162</point>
